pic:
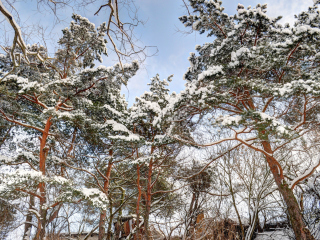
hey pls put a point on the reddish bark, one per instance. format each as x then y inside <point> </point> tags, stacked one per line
<point>41,232</point>
<point>296,219</point>
<point>102,222</point>
<point>148,196</point>
<point>103,215</point>
<point>148,200</point>
<point>138,202</point>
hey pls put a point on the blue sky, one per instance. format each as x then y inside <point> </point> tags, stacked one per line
<point>162,29</point>
<point>174,47</point>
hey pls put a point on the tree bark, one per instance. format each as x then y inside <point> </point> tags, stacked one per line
<point>148,202</point>
<point>41,232</point>
<point>28,225</point>
<point>254,222</point>
<point>102,222</point>
<point>138,204</point>
<point>103,214</point>
<point>296,219</point>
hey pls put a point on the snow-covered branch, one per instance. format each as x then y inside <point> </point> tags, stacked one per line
<point>307,174</point>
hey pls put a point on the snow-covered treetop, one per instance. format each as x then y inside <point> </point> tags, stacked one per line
<point>150,104</point>
<point>68,102</point>
<point>69,91</point>
<point>261,74</point>
<point>84,40</point>
<point>148,119</point>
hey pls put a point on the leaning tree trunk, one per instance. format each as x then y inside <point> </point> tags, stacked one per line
<point>296,219</point>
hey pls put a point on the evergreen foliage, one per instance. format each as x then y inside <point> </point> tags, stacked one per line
<point>71,147</point>
<point>257,79</point>
<point>53,103</point>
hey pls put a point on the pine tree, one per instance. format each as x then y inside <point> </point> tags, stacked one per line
<point>156,152</point>
<point>54,102</point>
<point>109,144</point>
<point>258,80</point>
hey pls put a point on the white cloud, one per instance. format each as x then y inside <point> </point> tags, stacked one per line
<point>287,9</point>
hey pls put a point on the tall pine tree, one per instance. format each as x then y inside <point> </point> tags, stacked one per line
<point>155,155</point>
<point>53,102</point>
<point>258,80</point>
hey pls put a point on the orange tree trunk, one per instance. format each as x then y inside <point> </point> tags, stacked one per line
<point>296,219</point>
<point>148,202</point>
<point>102,222</point>
<point>103,214</point>
<point>41,232</point>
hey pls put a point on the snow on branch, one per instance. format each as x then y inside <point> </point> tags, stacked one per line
<point>18,41</point>
<point>5,159</point>
<point>307,174</point>
<point>19,123</point>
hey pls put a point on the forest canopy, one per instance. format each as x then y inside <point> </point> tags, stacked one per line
<point>234,155</point>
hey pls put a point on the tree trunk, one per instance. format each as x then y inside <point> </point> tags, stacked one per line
<point>148,202</point>
<point>118,223</point>
<point>43,215</point>
<point>137,236</point>
<point>254,222</point>
<point>41,232</point>
<point>109,233</point>
<point>296,219</point>
<point>103,214</point>
<point>28,225</point>
<point>235,206</point>
<point>300,229</point>
<point>102,222</point>
<point>146,225</point>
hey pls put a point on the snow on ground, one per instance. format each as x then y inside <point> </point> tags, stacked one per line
<point>274,235</point>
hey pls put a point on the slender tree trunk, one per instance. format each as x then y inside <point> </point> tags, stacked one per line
<point>296,219</point>
<point>118,223</point>
<point>235,206</point>
<point>190,216</point>
<point>253,224</point>
<point>102,222</point>
<point>103,214</point>
<point>301,202</point>
<point>138,204</point>
<point>110,218</point>
<point>28,225</point>
<point>148,202</point>
<point>109,233</point>
<point>41,232</point>
<point>43,215</point>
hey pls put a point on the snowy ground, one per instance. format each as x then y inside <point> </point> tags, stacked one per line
<point>276,235</point>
